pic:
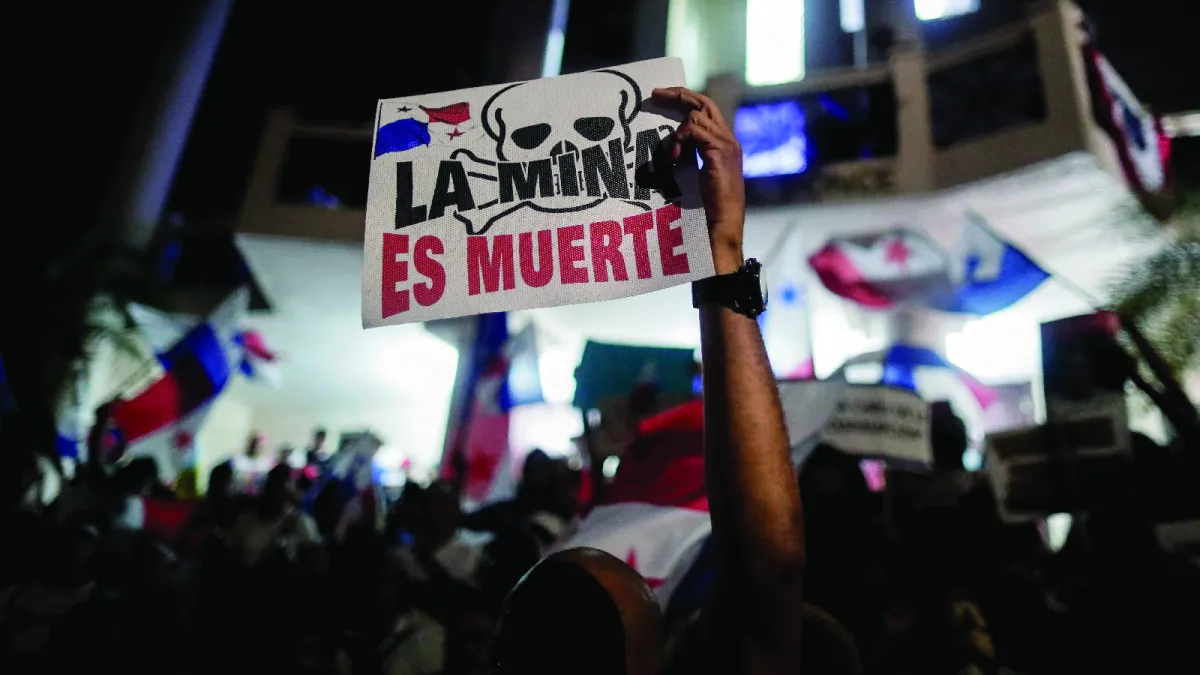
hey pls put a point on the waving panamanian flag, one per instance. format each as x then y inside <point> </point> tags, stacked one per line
<point>983,274</point>
<point>163,419</point>
<point>654,515</point>
<point>258,361</point>
<point>988,274</point>
<point>786,326</point>
<point>506,375</point>
<point>901,363</point>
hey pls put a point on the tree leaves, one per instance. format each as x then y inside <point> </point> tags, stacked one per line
<point>1162,292</point>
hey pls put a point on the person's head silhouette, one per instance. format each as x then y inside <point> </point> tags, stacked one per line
<point>580,611</point>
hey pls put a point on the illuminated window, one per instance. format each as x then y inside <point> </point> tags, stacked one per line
<point>774,41</point>
<point>773,139</point>
<point>555,38</point>
<point>932,10</point>
<point>853,15</point>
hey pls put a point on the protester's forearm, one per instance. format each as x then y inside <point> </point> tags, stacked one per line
<point>753,495</point>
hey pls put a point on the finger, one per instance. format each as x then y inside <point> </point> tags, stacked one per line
<point>694,136</point>
<point>707,123</point>
<point>688,98</point>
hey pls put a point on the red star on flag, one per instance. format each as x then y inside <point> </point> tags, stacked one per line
<point>481,468</point>
<point>897,252</point>
<point>182,439</point>
<point>631,560</point>
<point>454,133</point>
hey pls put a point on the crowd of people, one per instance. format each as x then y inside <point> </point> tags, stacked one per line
<point>806,570</point>
<point>904,580</point>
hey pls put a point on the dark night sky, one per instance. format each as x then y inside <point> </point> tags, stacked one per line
<point>329,65</point>
<point>77,73</point>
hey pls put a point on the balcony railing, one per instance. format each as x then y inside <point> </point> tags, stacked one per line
<point>919,123</point>
<point>922,122</point>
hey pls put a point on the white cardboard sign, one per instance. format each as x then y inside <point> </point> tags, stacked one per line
<point>534,194</point>
<point>881,421</point>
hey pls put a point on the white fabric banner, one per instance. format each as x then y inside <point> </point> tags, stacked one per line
<point>534,194</point>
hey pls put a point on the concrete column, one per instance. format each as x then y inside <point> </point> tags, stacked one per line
<point>518,42</point>
<point>914,170</point>
<point>147,169</point>
<point>901,15</point>
<point>725,37</point>
<point>268,162</point>
<point>726,91</point>
<point>1056,28</point>
<point>650,29</point>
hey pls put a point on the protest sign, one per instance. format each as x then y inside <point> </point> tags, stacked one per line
<point>1084,373</point>
<point>859,419</point>
<point>534,194</point>
<point>881,421</point>
<point>626,383</point>
<point>1064,466</point>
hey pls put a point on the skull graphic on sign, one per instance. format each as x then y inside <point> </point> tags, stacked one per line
<point>574,154</point>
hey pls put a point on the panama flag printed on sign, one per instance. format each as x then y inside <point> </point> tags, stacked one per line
<point>531,194</point>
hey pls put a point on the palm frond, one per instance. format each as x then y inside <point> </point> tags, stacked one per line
<point>1159,280</point>
<point>1162,292</point>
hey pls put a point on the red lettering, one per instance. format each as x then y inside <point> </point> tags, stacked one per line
<point>606,240</point>
<point>569,253</point>
<point>536,276</point>
<point>395,271</point>
<point>638,226</point>
<point>427,294</point>
<point>494,268</point>
<point>668,238</point>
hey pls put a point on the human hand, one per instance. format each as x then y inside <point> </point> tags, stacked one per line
<point>721,184</point>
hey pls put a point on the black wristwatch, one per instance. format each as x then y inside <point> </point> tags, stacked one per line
<point>744,291</point>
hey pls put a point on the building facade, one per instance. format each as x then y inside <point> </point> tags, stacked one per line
<point>882,114</point>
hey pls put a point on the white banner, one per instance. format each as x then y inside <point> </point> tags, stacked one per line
<point>535,194</point>
<point>881,421</point>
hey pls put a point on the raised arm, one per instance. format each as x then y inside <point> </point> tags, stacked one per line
<point>753,495</point>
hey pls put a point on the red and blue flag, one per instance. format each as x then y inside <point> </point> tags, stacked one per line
<point>412,130</point>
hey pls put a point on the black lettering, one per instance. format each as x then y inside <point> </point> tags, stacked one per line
<point>610,170</point>
<point>443,196</point>
<point>568,181</point>
<point>406,214</point>
<point>653,169</point>
<point>513,177</point>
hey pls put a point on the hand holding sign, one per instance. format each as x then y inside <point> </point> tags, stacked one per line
<point>721,185</point>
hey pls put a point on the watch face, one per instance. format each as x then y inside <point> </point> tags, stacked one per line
<point>755,269</point>
<point>762,285</point>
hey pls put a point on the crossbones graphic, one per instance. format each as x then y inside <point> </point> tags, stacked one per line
<point>526,127</point>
